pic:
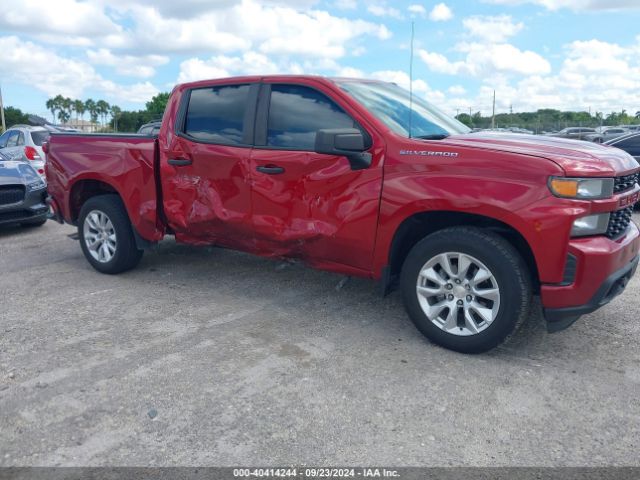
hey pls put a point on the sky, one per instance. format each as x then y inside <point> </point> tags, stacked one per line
<point>564,54</point>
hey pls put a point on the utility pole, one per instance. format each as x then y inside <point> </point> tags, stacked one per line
<point>493,115</point>
<point>4,126</point>
<point>411,81</point>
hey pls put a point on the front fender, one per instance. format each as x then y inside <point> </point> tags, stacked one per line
<point>526,206</point>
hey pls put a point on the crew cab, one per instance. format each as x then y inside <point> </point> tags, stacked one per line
<point>358,177</point>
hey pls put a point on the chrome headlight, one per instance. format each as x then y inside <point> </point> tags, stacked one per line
<point>590,225</point>
<point>37,185</point>
<point>581,188</point>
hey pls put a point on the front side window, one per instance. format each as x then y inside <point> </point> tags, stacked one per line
<point>297,112</point>
<point>216,114</point>
<point>406,115</point>
<point>3,139</point>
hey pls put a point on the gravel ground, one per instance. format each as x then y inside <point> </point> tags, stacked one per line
<point>203,356</point>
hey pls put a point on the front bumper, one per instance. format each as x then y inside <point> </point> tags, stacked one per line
<point>33,207</point>
<point>560,318</point>
<point>604,267</point>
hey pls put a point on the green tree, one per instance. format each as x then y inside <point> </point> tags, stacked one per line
<point>157,104</point>
<point>13,116</point>
<point>102,109</point>
<point>63,116</point>
<point>90,107</point>
<point>67,106</point>
<point>78,107</point>
<point>52,107</point>
<point>115,111</point>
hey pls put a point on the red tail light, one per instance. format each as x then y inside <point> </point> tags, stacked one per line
<point>31,153</point>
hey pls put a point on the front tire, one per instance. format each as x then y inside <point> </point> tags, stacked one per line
<point>106,235</point>
<point>466,289</point>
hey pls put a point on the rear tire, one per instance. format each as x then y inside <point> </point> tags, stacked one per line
<point>461,311</point>
<point>106,235</point>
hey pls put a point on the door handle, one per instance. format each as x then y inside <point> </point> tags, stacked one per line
<point>179,162</point>
<point>270,170</point>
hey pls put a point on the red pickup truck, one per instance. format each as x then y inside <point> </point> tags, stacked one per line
<point>356,177</point>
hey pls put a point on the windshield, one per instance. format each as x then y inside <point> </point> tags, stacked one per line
<point>391,105</point>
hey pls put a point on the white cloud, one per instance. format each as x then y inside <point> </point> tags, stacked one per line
<point>457,90</point>
<point>417,9</point>
<point>135,93</point>
<point>135,66</point>
<point>576,5</point>
<point>25,62</point>
<point>345,4</point>
<point>441,13</point>
<point>69,18</point>
<point>246,25</point>
<point>250,63</point>
<point>486,59</point>
<point>492,28</point>
<point>160,27</point>
<point>594,74</point>
<point>384,11</point>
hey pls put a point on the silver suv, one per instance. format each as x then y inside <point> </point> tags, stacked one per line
<point>24,142</point>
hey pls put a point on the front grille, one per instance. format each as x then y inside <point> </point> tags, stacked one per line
<point>619,221</point>
<point>15,215</point>
<point>625,183</point>
<point>11,194</point>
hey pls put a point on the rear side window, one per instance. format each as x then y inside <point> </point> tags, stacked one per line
<point>40,137</point>
<point>20,139</point>
<point>216,114</point>
<point>3,139</point>
<point>296,113</point>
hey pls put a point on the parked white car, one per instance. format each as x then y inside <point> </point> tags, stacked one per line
<point>24,142</point>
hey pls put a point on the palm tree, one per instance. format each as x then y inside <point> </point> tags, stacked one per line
<point>90,106</point>
<point>52,107</point>
<point>63,116</point>
<point>78,106</point>
<point>115,112</point>
<point>103,109</point>
<point>65,106</point>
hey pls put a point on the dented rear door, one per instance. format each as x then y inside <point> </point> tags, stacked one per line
<point>204,166</point>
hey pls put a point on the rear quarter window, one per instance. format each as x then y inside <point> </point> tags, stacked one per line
<point>39,138</point>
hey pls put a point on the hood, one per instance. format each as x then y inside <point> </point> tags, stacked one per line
<point>575,157</point>
<point>14,172</point>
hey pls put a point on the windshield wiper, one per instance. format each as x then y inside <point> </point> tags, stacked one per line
<point>435,136</point>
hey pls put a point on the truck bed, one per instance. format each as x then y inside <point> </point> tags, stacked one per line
<point>118,163</point>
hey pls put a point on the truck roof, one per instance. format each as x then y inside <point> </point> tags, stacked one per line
<point>283,78</point>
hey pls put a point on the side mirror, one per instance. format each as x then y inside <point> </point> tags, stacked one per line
<point>347,142</point>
